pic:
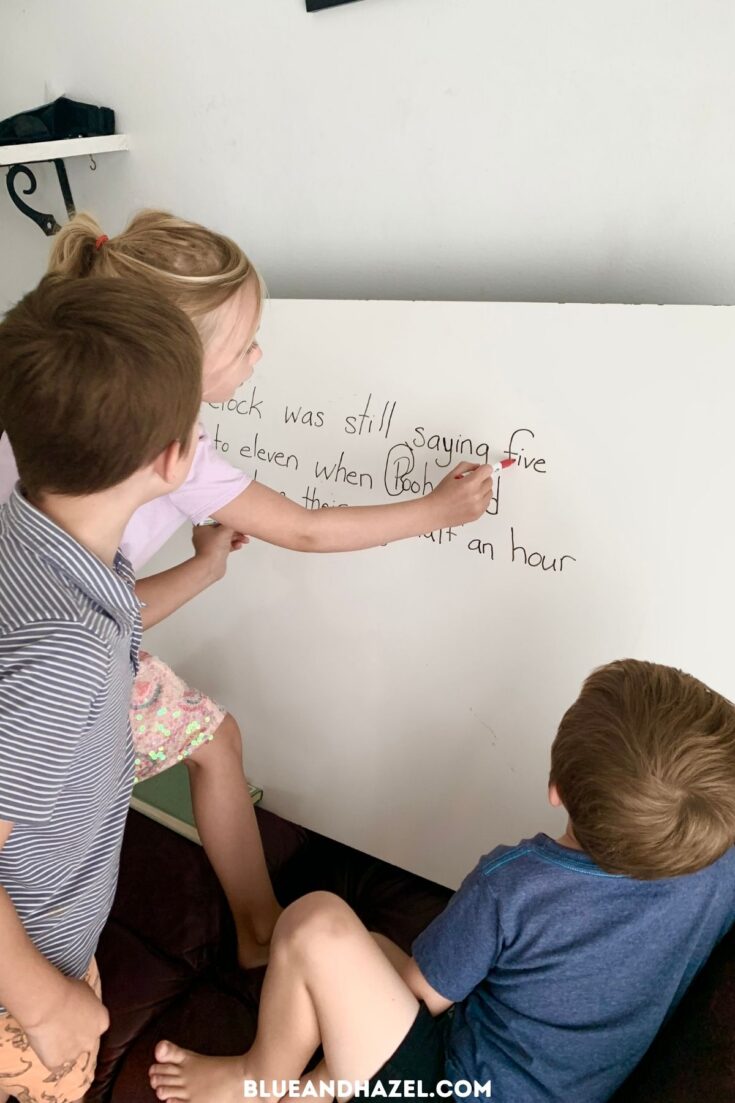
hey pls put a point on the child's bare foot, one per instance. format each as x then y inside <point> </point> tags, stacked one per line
<point>181,1076</point>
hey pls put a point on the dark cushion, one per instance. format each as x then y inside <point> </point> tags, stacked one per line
<point>167,891</point>
<point>168,927</point>
<point>139,983</point>
<point>386,898</point>
<point>232,1020</point>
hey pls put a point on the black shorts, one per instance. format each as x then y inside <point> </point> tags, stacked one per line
<point>419,1058</point>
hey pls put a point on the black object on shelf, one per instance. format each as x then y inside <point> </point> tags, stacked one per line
<point>62,119</point>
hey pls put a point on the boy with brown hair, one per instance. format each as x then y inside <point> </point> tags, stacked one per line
<point>552,968</point>
<point>100,386</point>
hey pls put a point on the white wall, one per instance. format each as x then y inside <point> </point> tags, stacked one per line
<point>475,149</point>
<point>404,699</point>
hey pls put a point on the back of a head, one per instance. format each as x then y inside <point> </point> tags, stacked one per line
<point>644,762</point>
<point>194,267</point>
<point>96,379</point>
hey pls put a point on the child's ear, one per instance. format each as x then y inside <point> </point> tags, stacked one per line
<point>167,463</point>
<point>554,799</point>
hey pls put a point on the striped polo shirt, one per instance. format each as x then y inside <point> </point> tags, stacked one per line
<point>69,638</point>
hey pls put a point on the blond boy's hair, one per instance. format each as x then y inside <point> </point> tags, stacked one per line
<point>96,380</point>
<point>195,268</point>
<point>644,762</point>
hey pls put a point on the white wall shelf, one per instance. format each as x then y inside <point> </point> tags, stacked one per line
<point>18,158</point>
<point>25,154</point>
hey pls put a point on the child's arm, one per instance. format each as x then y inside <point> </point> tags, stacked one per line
<point>61,1016</point>
<point>269,516</point>
<point>460,947</point>
<point>412,976</point>
<point>164,593</point>
<point>414,979</point>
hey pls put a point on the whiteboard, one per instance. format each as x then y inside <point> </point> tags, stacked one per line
<point>403,699</point>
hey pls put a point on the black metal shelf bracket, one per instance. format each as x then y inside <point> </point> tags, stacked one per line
<point>46,222</point>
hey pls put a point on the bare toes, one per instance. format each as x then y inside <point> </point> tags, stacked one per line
<point>166,1070</point>
<point>168,1053</point>
<point>170,1092</point>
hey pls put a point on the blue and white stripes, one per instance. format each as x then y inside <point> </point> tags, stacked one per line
<point>69,638</point>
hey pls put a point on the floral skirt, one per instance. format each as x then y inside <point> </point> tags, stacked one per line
<point>169,719</point>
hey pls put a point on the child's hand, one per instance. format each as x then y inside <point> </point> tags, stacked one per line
<point>71,1026</point>
<point>213,544</point>
<point>464,494</point>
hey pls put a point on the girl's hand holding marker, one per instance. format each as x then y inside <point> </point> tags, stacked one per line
<point>479,480</point>
<point>470,499</point>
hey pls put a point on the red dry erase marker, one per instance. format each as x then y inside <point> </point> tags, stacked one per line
<point>501,465</point>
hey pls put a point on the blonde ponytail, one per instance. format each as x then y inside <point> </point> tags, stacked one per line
<point>195,268</point>
<point>73,252</point>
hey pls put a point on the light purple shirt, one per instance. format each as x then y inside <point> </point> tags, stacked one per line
<point>211,484</point>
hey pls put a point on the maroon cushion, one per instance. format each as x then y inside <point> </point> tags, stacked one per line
<point>209,1020</point>
<point>169,925</point>
<point>386,898</point>
<point>139,982</point>
<point>168,894</point>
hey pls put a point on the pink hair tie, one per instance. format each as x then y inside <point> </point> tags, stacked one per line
<point>101,241</point>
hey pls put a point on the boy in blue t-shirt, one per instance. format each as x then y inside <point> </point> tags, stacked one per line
<point>560,959</point>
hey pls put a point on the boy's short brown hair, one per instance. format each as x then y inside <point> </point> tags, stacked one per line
<point>97,378</point>
<point>644,763</point>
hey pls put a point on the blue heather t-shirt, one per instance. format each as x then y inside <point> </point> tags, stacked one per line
<point>562,974</point>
